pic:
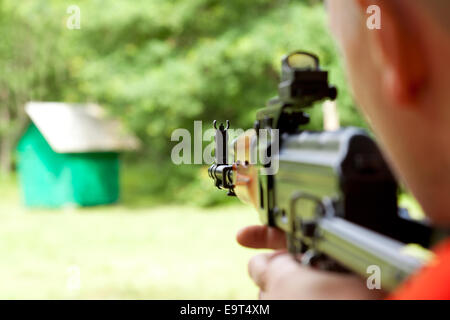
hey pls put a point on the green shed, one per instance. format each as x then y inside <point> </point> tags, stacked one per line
<point>69,155</point>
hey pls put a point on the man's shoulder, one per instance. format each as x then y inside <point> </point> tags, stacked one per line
<point>432,282</point>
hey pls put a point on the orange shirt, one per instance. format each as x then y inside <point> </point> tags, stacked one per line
<point>430,283</point>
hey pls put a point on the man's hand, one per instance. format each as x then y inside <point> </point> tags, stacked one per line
<point>279,276</point>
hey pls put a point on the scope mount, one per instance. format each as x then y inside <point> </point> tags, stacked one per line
<point>302,84</point>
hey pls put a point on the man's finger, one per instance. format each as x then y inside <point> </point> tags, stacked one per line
<point>259,264</point>
<point>261,237</point>
<point>257,268</point>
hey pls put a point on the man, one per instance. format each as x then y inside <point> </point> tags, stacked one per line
<point>400,75</point>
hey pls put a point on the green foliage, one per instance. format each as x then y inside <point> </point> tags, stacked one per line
<point>160,65</point>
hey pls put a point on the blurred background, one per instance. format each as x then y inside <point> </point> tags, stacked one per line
<point>155,66</point>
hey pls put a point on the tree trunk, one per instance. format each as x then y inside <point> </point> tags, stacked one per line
<point>5,142</point>
<point>330,116</point>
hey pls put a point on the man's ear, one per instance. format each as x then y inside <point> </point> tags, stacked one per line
<point>399,55</point>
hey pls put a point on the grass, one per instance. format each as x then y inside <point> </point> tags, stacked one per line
<point>120,252</point>
<point>166,252</point>
<point>414,208</point>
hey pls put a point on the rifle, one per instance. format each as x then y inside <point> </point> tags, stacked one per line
<point>332,193</point>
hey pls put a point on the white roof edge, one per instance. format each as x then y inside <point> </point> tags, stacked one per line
<point>79,128</point>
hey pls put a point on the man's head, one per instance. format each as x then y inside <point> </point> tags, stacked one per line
<point>400,75</point>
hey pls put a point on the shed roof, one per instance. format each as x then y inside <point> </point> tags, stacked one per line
<point>79,128</point>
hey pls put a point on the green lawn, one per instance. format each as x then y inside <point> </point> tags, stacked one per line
<point>173,252</point>
<point>165,252</point>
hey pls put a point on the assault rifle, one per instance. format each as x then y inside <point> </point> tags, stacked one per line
<point>332,193</point>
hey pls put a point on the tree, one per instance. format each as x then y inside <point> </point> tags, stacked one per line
<point>30,70</point>
<point>160,65</point>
